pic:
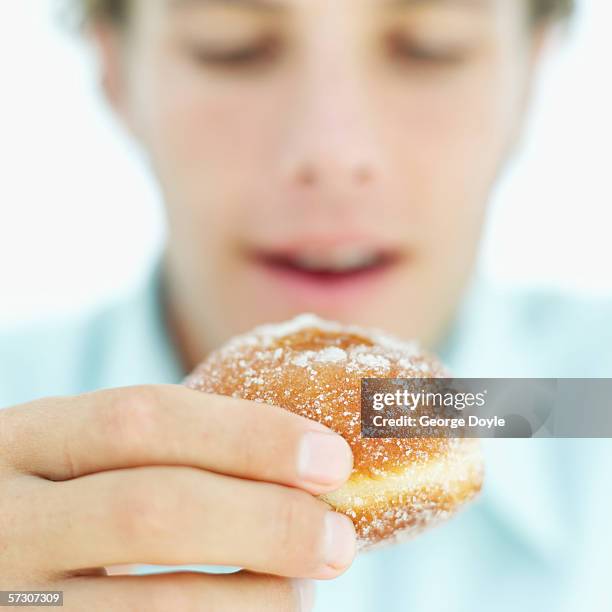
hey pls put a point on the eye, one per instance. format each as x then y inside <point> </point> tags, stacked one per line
<point>407,49</point>
<point>252,54</point>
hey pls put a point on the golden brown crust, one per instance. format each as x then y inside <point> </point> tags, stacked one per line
<point>401,505</point>
<point>314,368</point>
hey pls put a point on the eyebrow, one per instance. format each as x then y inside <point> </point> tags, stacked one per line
<point>468,3</point>
<point>260,5</point>
<point>276,6</point>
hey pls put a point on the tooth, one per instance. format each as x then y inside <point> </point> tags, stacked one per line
<point>351,259</point>
<point>311,261</point>
<point>338,261</point>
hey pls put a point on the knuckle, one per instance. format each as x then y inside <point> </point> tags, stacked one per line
<point>12,419</point>
<point>279,594</point>
<point>6,532</point>
<point>130,417</point>
<point>248,451</point>
<point>140,510</point>
<point>297,521</point>
<point>22,520</point>
<point>182,591</point>
<point>276,454</point>
<point>173,595</point>
<point>6,435</point>
<point>286,520</point>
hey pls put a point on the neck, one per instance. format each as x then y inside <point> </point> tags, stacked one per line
<point>183,327</point>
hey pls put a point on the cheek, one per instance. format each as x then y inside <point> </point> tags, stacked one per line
<point>450,137</point>
<point>203,135</point>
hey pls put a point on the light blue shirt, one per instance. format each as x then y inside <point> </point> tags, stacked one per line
<point>538,539</point>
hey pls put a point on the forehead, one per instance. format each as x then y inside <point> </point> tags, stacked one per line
<point>283,5</point>
<point>501,15</point>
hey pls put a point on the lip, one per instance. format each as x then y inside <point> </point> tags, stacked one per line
<point>305,289</point>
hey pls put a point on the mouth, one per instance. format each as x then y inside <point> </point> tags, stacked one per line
<point>314,276</point>
<point>331,266</point>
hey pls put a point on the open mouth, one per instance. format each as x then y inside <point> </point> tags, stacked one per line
<point>329,267</point>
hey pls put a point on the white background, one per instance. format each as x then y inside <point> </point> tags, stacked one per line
<point>80,218</point>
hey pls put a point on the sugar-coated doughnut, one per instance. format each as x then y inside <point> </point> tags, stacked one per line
<point>398,486</point>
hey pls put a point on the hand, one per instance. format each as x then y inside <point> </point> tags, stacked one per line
<point>167,475</point>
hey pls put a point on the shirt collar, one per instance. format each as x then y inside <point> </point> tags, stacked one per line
<point>137,344</point>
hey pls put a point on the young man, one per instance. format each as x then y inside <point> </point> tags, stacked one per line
<point>334,157</point>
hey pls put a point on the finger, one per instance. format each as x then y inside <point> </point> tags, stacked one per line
<point>63,438</point>
<point>187,592</point>
<point>179,516</point>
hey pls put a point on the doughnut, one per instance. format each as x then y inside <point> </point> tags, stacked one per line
<point>398,486</point>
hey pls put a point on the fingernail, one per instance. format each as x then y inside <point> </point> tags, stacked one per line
<point>340,541</point>
<point>324,458</point>
<point>304,593</point>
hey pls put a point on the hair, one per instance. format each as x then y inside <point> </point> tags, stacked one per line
<point>106,10</point>
<point>551,9</point>
<point>115,11</point>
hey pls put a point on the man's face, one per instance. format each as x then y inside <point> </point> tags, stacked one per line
<point>331,156</point>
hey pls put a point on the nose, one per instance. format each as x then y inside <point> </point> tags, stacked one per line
<point>332,149</point>
<point>332,144</point>
<point>316,169</point>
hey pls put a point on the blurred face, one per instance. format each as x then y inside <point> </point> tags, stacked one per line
<point>330,156</point>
